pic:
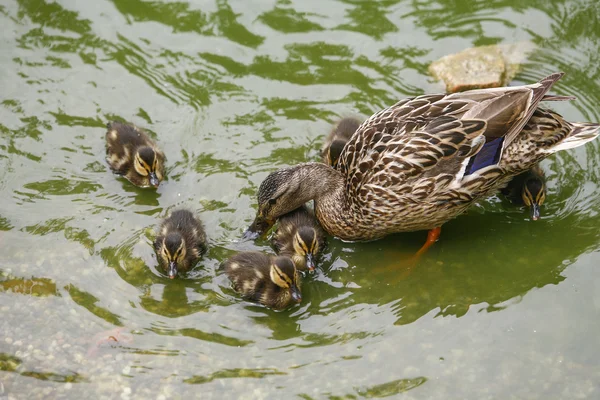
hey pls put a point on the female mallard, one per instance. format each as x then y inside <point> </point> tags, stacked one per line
<point>130,152</point>
<point>423,161</point>
<point>337,139</point>
<point>271,281</point>
<point>299,237</point>
<point>528,188</point>
<point>180,243</point>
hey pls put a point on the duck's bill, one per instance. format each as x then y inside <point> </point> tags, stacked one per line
<point>259,227</point>
<point>154,179</point>
<point>296,295</point>
<point>535,212</point>
<point>172,270</point>
<point>310,263</point>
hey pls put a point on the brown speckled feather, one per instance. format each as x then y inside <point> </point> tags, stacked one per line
<point>412,166</point>
<point>404,168</point>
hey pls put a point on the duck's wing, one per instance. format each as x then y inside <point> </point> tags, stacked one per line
<point>432,140</point>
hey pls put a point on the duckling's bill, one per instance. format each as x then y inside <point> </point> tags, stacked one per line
<point>295,292</point>
<point>172,270</point>
<point>535,211</point>
<point>154,181</point>
<point>310,262</point>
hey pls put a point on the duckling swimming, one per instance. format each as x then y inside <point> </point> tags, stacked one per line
<point>131,153</point>
<point>180,243</point>
<point>271,281</point>
<point>300,237</point>
<point>528,188</point>
<point>335,142</point>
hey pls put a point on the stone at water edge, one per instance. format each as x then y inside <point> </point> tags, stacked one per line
<point>481,67</point>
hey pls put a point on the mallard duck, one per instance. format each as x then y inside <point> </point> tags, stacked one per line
<point>337,139</point>
<point>271,281</point>
<point>528,188</point>
<point>299,237</point>
<point>130,152</point>
<point>180,242</point>
<point>423,161</point>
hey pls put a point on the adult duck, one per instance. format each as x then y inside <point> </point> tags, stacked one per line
<point>423,161</point>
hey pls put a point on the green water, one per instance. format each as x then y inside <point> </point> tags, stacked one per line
<point>500,308</point>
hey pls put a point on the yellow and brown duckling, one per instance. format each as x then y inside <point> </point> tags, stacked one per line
<point>269,280</point>
<point>180,243</point>
<point>335,142</point>
<point>131,153</point>
<point>528,188</point>
<point>300,237</point>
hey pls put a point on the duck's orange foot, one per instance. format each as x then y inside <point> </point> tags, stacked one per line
<point>405,266</point>
<point>432,236</point>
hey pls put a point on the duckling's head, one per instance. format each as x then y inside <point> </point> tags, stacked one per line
<point>306,247</point>
<point>172,252</point>
<point>283,274</point>
<point>147,163</point>
<point>346,127</point>
<point>534,194</point>
<point>334,151</point>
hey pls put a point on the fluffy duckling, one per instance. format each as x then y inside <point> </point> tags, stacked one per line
<point>130,152</point>
<point>300,237</point>
<point>335,142</point>
<point>269,280</point>
<point>528,188</point>
<point>180,243</point>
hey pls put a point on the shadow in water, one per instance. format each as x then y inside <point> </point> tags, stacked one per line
<point>10,363</point>
<point>233,373</point>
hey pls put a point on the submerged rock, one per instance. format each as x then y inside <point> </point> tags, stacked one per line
<point>480,67</point>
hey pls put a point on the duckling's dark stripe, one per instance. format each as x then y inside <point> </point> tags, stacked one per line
<point>260,286</point>
<point>313,245</point>
<point>488,155</point>
<point>302,244</point>
<point>283,277</point>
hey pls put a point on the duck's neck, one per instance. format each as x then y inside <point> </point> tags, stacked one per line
<point>326,186</point>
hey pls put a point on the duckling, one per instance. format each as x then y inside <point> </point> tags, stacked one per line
<point>528,188</point>
<point>269,280</point>
<point>180,243</point>
<point>300,237</point>
<point>335,142</point>
<point>131,153</point>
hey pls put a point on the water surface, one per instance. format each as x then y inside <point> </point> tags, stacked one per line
<point>501,307</point>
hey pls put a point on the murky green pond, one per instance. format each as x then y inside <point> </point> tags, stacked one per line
<point>500,308</point>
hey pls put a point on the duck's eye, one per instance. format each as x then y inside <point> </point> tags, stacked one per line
<point>272,201</point>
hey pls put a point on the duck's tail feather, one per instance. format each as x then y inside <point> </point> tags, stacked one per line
<point>581,133</point>
<point>556,97</point>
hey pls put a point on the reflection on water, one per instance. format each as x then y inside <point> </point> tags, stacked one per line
<point>232,90</point>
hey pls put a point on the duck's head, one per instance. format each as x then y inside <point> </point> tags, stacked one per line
<point>334,151</point>
<point>148,164</point>
<point>306,247</point>
<point>172,253</point>
<point>283,274</point>
<point>278,194</point>
<point>534,194</point>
